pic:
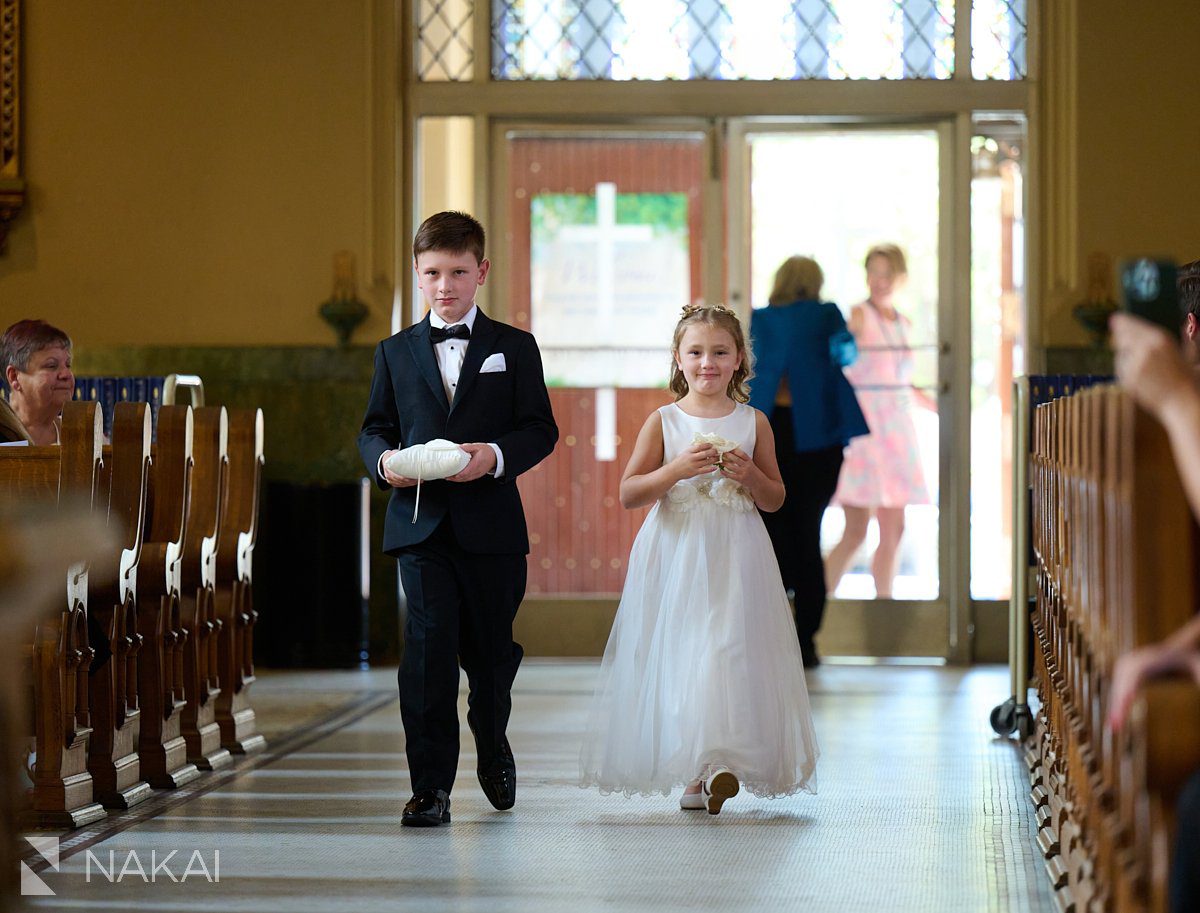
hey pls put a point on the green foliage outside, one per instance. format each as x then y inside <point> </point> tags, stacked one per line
<point>667,213</point>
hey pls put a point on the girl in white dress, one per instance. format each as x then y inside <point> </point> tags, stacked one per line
<point>702,683</point>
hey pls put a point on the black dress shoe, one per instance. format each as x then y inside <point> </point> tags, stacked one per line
<point>808,653</point>
<point>499,778</point>
<point>428,808</point>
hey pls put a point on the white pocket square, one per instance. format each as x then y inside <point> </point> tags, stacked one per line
<point>493,364</point>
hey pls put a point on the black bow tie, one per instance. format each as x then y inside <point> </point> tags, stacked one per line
<point>441,334</point>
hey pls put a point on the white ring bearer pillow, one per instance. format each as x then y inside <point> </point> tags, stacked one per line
<point>436,459</point>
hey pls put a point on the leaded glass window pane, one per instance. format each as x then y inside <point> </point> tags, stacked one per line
<point>722,39</point>
<point>444,51</point>
<point>999,39</point>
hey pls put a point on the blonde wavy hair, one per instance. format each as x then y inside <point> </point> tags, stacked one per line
<point>715,315</point>
<point>892,254</point>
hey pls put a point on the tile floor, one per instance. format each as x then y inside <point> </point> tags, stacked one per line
<point>919,807</point>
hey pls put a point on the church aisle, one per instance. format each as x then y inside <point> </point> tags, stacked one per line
<point>918,808</point>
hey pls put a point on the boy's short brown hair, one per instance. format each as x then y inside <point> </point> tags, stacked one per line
<point>454,232</point>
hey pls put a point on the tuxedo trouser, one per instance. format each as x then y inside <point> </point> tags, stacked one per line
<point>461,608</point>
<point>810,477</point>
<point>1185,866</point>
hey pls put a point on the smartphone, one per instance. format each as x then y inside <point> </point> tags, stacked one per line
<point>1150,291</point>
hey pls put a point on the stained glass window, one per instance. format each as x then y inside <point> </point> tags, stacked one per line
<point>444,49</point>
<point>722,39</point>
<point>999,33</point>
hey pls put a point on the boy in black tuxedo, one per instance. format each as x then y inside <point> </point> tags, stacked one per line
<point>461,376</point>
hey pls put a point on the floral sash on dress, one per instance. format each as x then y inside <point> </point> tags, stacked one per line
<point>683,496</point>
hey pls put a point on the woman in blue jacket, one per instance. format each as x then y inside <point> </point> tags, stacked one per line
<point>800,346</point>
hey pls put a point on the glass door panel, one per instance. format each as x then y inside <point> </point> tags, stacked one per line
<point>604,240</point>
<point>997,346</point>
<point>832,194</point>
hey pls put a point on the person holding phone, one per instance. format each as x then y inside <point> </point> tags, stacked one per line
<point>1150,290</point>
<point>1161,293</point>
<point>1153,368</point>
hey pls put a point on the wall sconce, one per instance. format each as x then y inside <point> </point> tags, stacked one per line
<point>343,311</point>
<point>1094,311</point>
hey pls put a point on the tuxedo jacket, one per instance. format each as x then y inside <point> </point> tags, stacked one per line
<point>509,408</point>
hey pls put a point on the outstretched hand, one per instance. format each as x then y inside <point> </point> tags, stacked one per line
<point>1134,669</point>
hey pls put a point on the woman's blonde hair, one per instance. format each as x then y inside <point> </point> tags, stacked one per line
<point>797,279</point>
<point>892,254</point>
<point>715,315</point>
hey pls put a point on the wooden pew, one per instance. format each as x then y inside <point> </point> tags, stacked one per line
<point>201,686</point>
<point>14,716</point>
<point>58,658</point>
<point>37,548</point>
<point>1115,545</point>
<point>170,607</point>
<point>14,722</point>
<point>116,714</point>
<point>234,599</point>
<point>161,746</point>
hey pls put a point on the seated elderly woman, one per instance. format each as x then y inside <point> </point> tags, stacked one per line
<point>37,366</point>
<point>1161,376</point>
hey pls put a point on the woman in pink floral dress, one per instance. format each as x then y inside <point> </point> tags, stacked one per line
<point>882,471</point>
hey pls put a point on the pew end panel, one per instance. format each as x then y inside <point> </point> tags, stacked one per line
<point>234,598</point>
<point>61,480</point>
<point>210,476</point>
<point>37,548</point>
<point>116,705</point>
<point>162,749</point>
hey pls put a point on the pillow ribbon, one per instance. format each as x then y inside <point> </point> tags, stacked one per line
<point>417,504</point>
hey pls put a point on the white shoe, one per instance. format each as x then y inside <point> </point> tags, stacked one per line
<point>721,785</point>
<point>693,802</point>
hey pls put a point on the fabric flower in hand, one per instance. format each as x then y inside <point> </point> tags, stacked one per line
<point>720,444</point>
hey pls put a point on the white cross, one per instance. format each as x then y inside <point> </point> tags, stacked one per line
<point>604,235</point>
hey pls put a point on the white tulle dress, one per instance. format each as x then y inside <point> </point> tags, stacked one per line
<point>702,667</point>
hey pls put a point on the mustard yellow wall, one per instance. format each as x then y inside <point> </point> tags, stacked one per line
<point>192,169</point>
<point>194,166</point>
<point>1137,142</point>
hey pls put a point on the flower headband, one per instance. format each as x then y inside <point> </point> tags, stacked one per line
<point>692,309</point>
